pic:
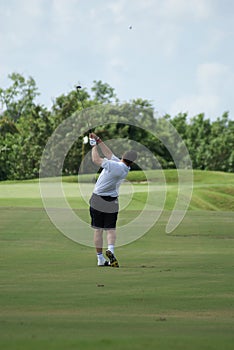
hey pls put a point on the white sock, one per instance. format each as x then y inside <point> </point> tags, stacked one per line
<point>111,248</point>
<point>100,256</point>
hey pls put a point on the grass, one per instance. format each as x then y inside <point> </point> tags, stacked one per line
<point>207,177</point>
<point>172,291</point>
<point>211,191</point>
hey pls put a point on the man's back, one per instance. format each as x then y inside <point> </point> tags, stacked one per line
<point>113,174</point>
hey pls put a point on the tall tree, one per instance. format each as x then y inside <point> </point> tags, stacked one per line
<point>220,150</point>
<point>19,97</point>
<point>198,140</point>
<point>103,92</point>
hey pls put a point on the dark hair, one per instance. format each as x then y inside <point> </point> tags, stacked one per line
<point>129,157</point>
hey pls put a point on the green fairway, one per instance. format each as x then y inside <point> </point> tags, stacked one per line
<point>172,291</point>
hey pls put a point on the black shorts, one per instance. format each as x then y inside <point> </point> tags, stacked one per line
<point>103,211</point>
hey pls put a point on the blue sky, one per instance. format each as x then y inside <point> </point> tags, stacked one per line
<point>179,53</point>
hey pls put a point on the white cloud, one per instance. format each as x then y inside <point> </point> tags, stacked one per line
<point>58,41</point>
<point>196,104</point>
<point>118,10</point>
<point>185,9</point>
<point>116,70</point>
<point>64,11</point>
<point>166,10</point>
<point>216,37</point>
<point>21,23</point>
<point>212,77</point>
<point>33,8</point>
<point>214,83</point>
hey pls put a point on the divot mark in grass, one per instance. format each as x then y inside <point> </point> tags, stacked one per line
<point>161,319</point>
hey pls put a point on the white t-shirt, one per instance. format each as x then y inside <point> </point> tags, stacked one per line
<point>113,174</point>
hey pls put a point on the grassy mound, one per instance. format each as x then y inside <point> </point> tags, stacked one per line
<point>200,176</point>
<point>211,190</point>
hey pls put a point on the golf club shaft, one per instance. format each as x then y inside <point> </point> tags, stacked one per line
<point>79,97</point>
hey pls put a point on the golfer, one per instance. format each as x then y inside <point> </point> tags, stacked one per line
<point>104,201</point>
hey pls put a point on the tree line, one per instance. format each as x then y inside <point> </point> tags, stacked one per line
<point>26,126</point>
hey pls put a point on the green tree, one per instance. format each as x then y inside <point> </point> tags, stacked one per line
<point>24,128</point>
<point>25,148</point>
<point>103,92</point>
<point>7,126</point>
<point>221,146</point>
<point>19,97</point>
<point>198,140</point>
<point>180,124</point>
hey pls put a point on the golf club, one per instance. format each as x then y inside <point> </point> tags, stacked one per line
<point>78,87</point>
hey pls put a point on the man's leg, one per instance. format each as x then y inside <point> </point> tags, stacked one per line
<point>98,241</point>
<point>111,238</point>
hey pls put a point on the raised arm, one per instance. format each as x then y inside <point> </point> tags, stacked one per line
<point>96,157</point>
<point>105,150</point>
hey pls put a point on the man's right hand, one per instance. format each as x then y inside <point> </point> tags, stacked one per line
<point>92,142</point>
<point>94,137</point>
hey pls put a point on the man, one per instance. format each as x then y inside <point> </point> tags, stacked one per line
<point>104,201</point>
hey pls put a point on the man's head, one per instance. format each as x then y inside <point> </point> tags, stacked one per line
<point>129,157</point>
